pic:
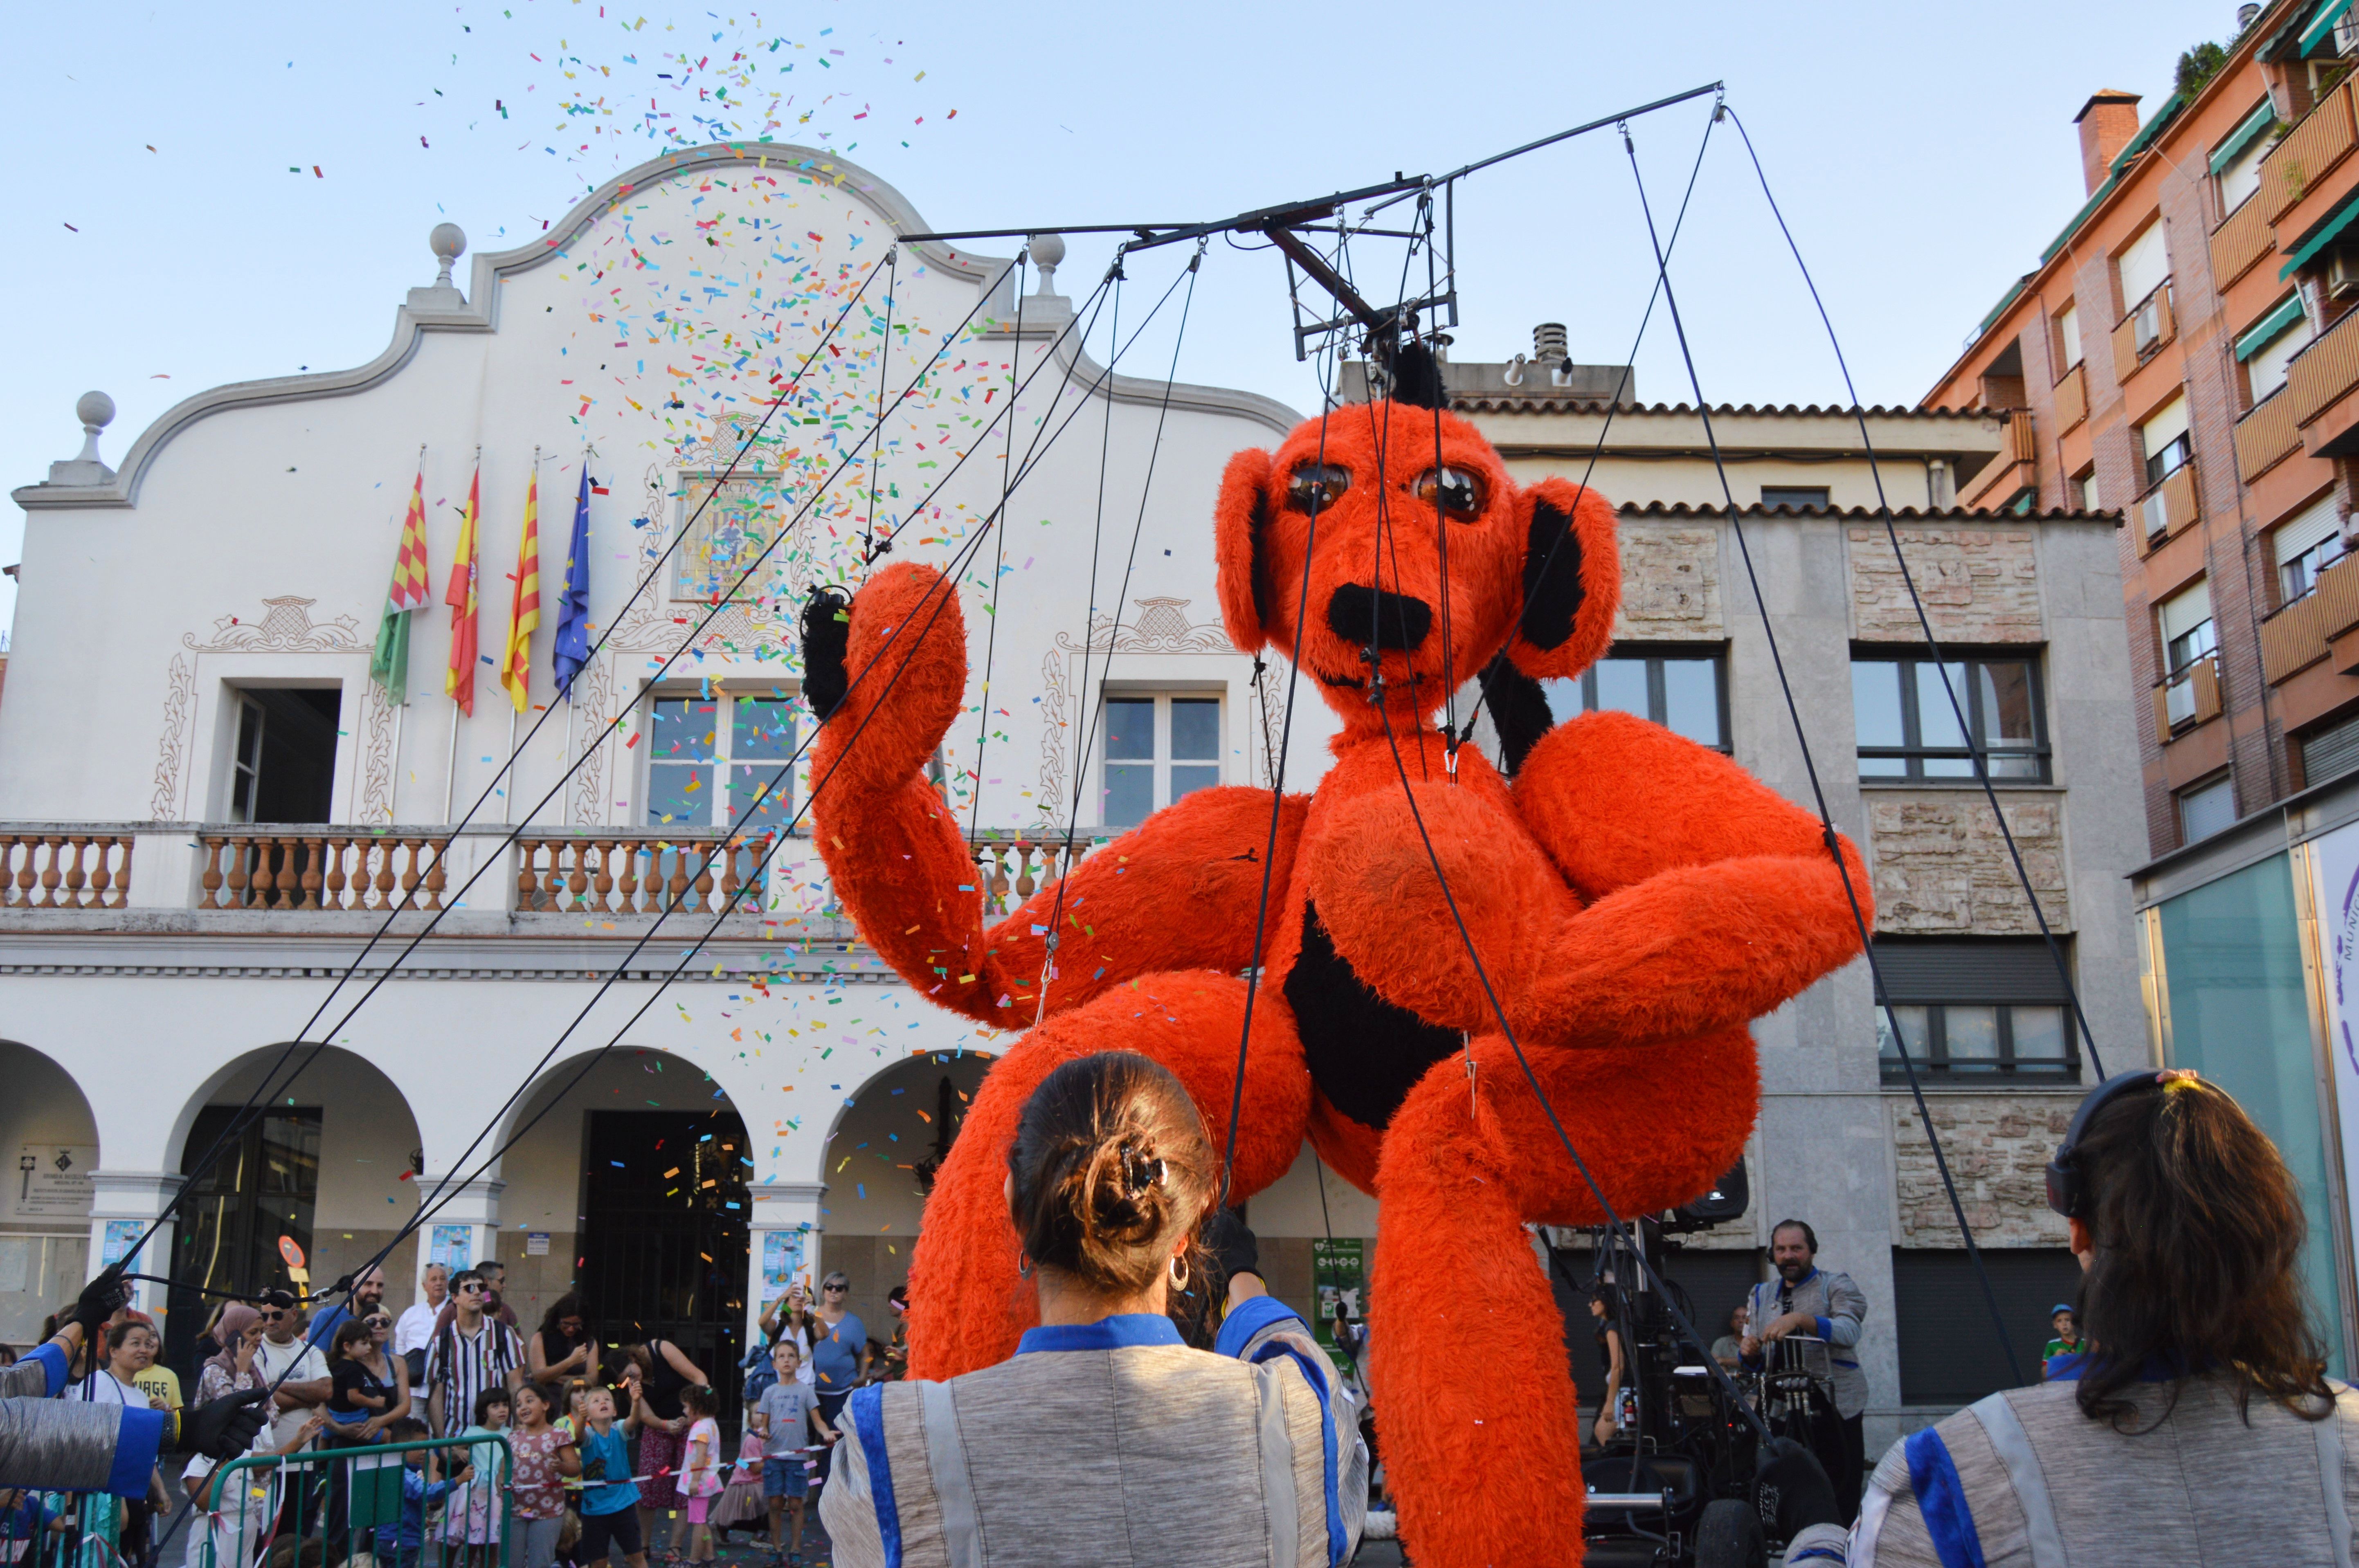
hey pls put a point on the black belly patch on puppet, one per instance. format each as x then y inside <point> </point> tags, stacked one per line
<point>1364,1053</point>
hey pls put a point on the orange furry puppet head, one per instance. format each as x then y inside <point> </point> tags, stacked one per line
<point>1392,536</point>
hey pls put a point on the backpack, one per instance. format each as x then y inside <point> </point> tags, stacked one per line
<point>761,1372</point>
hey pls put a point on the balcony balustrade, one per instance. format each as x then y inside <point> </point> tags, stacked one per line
<point>2325,369</point>
<point>2243,238</point>
<point>2266,436</point>
<point>324,867</point>
<point>63,870</point>
<point>2168,505</point>
<point>2316,143</point>
<point>2299,633</point>
<point>2072,398</point>
<point>2143,333</point>
<point>641,872</point>
<point>2187,698</point>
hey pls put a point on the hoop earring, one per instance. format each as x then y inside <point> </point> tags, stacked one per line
<point>1023,1265</point>
<point>1178,1271</point>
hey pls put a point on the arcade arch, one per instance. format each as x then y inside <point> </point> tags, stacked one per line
<point>50,1140</point>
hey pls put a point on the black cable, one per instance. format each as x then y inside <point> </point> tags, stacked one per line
<point>1884,508</point>
<point>266,1090</point>
<point>1810,768</point>
<point>869,552</point>
<point>999,551</point>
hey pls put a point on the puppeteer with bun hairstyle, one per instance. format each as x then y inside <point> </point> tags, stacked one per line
<point>1106,1427</point>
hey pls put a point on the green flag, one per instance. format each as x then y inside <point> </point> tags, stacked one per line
<point>389,666</point>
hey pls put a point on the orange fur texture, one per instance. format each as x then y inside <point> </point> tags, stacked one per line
<point>1632,901</point>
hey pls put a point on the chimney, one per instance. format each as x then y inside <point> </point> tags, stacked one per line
<point>2107,121</point>
<point>1551,344</point>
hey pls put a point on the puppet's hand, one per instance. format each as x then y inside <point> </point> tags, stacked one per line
<point>885,673</point>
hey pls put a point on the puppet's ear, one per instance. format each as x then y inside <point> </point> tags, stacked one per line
<point>1239,517</point>
<point>1572,579</point>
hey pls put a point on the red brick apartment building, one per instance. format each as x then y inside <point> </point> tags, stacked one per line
<point>2188,351</point>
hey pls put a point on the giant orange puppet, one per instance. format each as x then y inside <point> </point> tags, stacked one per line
<point>1635,900</point>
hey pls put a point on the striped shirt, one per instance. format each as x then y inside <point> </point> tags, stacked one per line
<point>1109,1442</point>
<point>460,1365</point>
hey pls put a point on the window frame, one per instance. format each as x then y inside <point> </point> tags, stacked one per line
<point>716,768</point>
<point>1658,694</point>
<point>1162,760</point>
<point>2178,798</point>
<point>691,484</point>
<point>1825,494</point>
<point>1915,754</point>
<point>1934,1064</point>
<point>2001,973</point>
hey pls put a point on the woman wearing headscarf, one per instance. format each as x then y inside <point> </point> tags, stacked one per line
<point>1105,1430</point>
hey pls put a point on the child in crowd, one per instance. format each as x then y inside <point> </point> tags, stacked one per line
<point>473,1519</point>
<point>544,1453</point>
<point>398,1545</point>
<point>699,1471</point>
<point>785,1418</point>
<point>739,1506</point>
<point>610,1502</point>
<point>23,1519</point>
<point>240,1525</point>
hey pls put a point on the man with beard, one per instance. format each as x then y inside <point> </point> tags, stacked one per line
<point>369,1293</point>
<point>1805,1299</point>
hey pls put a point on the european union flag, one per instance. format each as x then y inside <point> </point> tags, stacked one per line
<point>572,650</point>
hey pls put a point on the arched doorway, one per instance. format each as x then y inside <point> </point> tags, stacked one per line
<point>50,1139</point>
<point>325,1165</point>
<point>633,1189</point>
<point>881,1157</point>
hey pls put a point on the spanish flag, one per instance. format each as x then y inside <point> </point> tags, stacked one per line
<point>390,667</point>
<point>459,680</point>
<point>523,602</point>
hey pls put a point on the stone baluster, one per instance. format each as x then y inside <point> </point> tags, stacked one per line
<point>435,878</point>
<point>676,885</point>
<point>411,875</point>
<point>50,874</point>
<point>333,877</point>
<point>1024,882</point>
<point>579,882</point>
<point>290,874</point>
<point>629,849</point>
<point>101,871</point>
<point>602,886</point>
<point>312,850</point>
<point>709,853</point>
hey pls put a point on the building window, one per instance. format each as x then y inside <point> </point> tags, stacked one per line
<point>1683,692</point>
<point>2306,546</point>
<point>711,756</point>
<point>1800,497</point>
<point>283,762</point>
<point>2268,347</point>
<point>1158,749</point>
<point>2068,337</point>
<point>2144,266</point>
<point>260,1191</point>
<point>1908,730</point>
<point>2236,161</point>
<point>2330,752</point>
<point>2164,445</point>
<point>1977,1011</point>
<point>2084,490</point>
<point>2206,808</point>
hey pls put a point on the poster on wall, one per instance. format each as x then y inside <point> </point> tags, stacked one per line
<point>52,1181</point>
<point>2335,885</point>
<point>1339,1273</point>
<point>452,1246</point>
<point>782,1260</point>
<point>121,1235</point>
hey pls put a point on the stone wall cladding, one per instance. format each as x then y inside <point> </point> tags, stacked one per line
<point>1979,585</point>
<point>1941,868</point>
<point>1671,585</point>
<point>1998,1147</point>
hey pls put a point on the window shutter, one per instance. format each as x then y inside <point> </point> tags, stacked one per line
<point>2004,969</point>
<point>2182,612</point>
<point>2313,527</point>
<point>2169,423</point>
<point>2144,265</point>
<point>2330,752</point>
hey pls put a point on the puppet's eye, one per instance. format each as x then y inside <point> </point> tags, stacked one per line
<point>1459,494</point>
<point>1315,486</point>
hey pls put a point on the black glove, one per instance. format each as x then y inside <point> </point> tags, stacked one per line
<point>1232,1247</point>
<point>827,640</point>
<point>227,1427</point>
<point>1792,1491</point>
<point>101,1300</point>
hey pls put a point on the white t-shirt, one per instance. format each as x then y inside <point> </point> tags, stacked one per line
<point>414,1327</point>
<point>236,1541</point>
<point>102,1387</point>
<point>310,1366</point>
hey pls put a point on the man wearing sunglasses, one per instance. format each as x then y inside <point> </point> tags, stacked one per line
<point>284,1351</point>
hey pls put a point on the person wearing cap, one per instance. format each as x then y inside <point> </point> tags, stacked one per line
<point>52,1444</point>
<point>2195,1426</point>
<point>2067,1325</point>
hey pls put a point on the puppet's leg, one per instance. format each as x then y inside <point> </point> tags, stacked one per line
<point>1486,1462</point>
<point>967,1306</point>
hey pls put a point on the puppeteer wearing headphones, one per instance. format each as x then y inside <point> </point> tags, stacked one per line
<point>1805,1299</point>
<point>2198,1427</point>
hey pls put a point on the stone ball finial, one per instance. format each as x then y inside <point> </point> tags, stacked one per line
<point>1048,251</point>
<point>450,243</point>
<point>95,410</point>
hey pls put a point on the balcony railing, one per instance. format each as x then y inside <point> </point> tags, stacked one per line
<point>64,869</point>
<point>2168,505</point>
<point>2299,632</point>
<point>640,872</point>
<point>2243,238</point>
<point>296,868</point>
<point>2072,397</point>
<point>2324,369</point>
<point>2187,698</point>
<point>2315,145</point>
<point>2141,334</point>
<point>2266,436</point>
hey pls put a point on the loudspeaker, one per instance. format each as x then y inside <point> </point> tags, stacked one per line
<point>1728,1199</point>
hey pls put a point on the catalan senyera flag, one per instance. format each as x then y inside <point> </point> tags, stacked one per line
<point>459,680</point>
<point>523,602</point>
<point>389,667</point>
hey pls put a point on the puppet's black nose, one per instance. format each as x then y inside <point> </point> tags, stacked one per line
<point>1362,615</point>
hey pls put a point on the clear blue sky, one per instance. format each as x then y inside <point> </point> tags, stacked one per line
<point>171,233</point>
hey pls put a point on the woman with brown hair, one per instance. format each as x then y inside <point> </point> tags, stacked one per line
<point>1106,1436</point>
<point>2198,1426</point>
